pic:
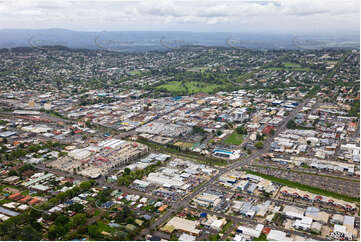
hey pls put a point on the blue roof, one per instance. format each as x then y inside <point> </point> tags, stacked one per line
<point>114,225</point>
<point>107,204</point>
<point>8,212</point>
<point>177,98</point>
<point>203,215</point>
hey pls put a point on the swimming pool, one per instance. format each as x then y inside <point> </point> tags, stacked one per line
<point>223,151</point>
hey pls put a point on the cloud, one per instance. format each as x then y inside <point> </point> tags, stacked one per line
<point>182,14</point>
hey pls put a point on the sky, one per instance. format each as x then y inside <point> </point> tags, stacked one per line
<point>251,16</point>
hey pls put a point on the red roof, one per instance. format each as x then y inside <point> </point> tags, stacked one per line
<point>33,201</point>
<point>266,230</point>
<point>25,199</point>
<point>267,130</point>
<point>16,196</point>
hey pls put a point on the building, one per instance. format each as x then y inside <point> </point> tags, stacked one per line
<point>276,235</point>
<point>183,225</point>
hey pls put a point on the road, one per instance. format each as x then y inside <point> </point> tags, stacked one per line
<point>180,204</point>
<point>237,220</point>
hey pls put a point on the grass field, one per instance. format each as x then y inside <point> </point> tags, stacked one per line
<point>189,87</point>
<point>245,76</point>
<point>198,69</point>
<point>234,139</point>
<point>290,69</point>
<point>290,66</point>
<point>303,187</point>
<point>184,145</point>
<point>135,73</point>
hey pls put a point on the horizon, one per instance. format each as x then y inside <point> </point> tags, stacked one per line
<point>251,16</point>
<point>178,31</point>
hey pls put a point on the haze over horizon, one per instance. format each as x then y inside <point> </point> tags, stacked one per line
<point>255,16</point>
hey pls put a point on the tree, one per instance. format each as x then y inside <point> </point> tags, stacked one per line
<point>61,196</point>
<point>77,207</point>
<point>36,225</point>
<point>77,220</point>
<point>291,124</point>
<point>259,137</point>
<point>34,214</point>
<point>241,130</point>
<point>61,220</point>
<point>13,173</point>
<point>127,171</point>
<point>28,233</point>
<point>52,233</point>
<point>84,186</point>
<point>93,231</point>
<point>259,145</point>
<point>197,129</point>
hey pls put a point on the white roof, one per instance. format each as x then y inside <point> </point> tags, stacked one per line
<point>339,228</point>
<point>277,235</point>
<point>186,237</point>
<point>249,231</point>
<point>217,223</point>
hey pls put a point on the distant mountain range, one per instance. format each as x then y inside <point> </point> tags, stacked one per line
<point>159,40</point>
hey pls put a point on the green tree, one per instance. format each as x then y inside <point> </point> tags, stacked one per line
<point>28,233</point>
<point>13,173</point>
<point>93,231</point>
<point>77,207</point>
<point>291,124</point>
<point>77,220</point>
<point>127,171</point>
<point>241,130</point>
<point>259,145</point>
<point>61,220</point>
